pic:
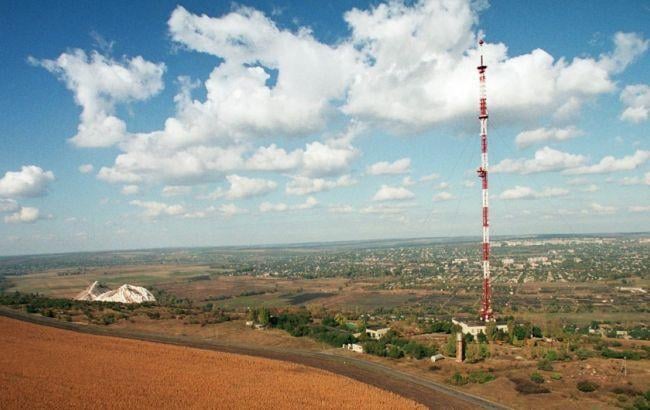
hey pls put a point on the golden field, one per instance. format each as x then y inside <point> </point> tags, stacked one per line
<point>43,367</point>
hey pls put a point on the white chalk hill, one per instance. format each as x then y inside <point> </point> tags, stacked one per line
<point>124,294</point>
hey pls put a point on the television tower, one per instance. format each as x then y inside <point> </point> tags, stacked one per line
<point>486,303</point>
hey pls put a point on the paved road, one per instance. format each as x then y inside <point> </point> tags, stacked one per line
<point>429,393</point>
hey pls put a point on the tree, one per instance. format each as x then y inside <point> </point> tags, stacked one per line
<point>472,354</point>
<point>263,316</point>
<point>491,330</point>
<point>450,346</point>
<point>481,337</point>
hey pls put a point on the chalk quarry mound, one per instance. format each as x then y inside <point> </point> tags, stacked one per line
<point>124,294</point>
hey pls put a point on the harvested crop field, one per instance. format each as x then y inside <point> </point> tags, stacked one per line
<point>43,367</point>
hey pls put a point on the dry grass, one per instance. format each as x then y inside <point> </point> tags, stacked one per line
<point>42,367</point>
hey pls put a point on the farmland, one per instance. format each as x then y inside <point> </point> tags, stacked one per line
<point>136,374</point>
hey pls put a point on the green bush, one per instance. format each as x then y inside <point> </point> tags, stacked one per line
<point>480,377</point>
<point>556,376</point>
<point>458,379</point>
<point>545,365</point>
<point>587,386</point>
<point>537,378</point>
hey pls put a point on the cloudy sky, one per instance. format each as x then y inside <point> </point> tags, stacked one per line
<point>134,125</point>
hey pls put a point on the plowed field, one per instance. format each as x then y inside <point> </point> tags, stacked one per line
<point>43,367</point>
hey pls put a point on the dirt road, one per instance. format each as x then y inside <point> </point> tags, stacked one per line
<point>429,393</point>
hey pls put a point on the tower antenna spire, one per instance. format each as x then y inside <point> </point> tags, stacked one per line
<point>486,313</point>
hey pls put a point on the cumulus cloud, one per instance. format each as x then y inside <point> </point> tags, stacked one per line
<point>544,160</point>
<point>304,185</point>
<point>612,164</point>
<point>8,205</point>
<point>599,209</point>
<point>25,214</point>
<point>401,166</point>
<point>244,187</point>
<point>309,203</point>
<point>272,158</point>
<point>230,210</point>
<point>240,98</point>
<point>99,83</point>
<point>130,190</point>
<point>86,168</point>
<point>426,82</point>
<point>392,193</point>
<point>528,138</point>
<point>176,190</point>
<point>636,99</point>
<point>30,181</point>
<point>430,177</point>
<point>443,196</point>
<point>524,192</point>
<point>153,209</point>
<point>340,209</point>
<point>408,181</point>
<point>644,180</point>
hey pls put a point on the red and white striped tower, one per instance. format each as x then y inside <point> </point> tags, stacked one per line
<point>486,304</point>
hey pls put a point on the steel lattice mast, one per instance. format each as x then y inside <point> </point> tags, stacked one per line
<point>486,303</point>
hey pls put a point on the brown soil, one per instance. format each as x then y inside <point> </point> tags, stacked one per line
<point>43,367</point>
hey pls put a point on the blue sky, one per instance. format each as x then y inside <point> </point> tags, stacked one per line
<point>212,123</point>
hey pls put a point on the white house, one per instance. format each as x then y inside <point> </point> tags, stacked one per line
<point>354,347</point>
<point>475,328</point>
<point>377,333</point>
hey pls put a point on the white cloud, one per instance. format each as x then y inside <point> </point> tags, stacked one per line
<point>426,83</point>
<point>524,192</point>
<point>153,209</point>
<point>30,181</point>
<point>528,138</point>
<point>240,99</point>
<point>644,180</point>
<point>223,210</point>
<point>544,160</point>
<point>304,185</point>
<point>429,177</point>
<point>392,193</point>
<point>469,184</point>
<point>309,203</point>
<point>8,205</point>
<point>99,83</point>
<point>86,168</point>
<point>130,190</point>
<point>400,166</point>
<point>599,209</point>
<point>636,99</point>
<point>443,185</point>
<point>176,190</point>
<point>340,209</point>
<point>230,210</point>
<point>327,159</point>
<point>25,214</point>
<point>611,164</point>
<point>443,196</point>
<point>590,188</point>
<point>408,181</point>
<point>243,187</point>
<point>642,208</point>
<point>272,158</point>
